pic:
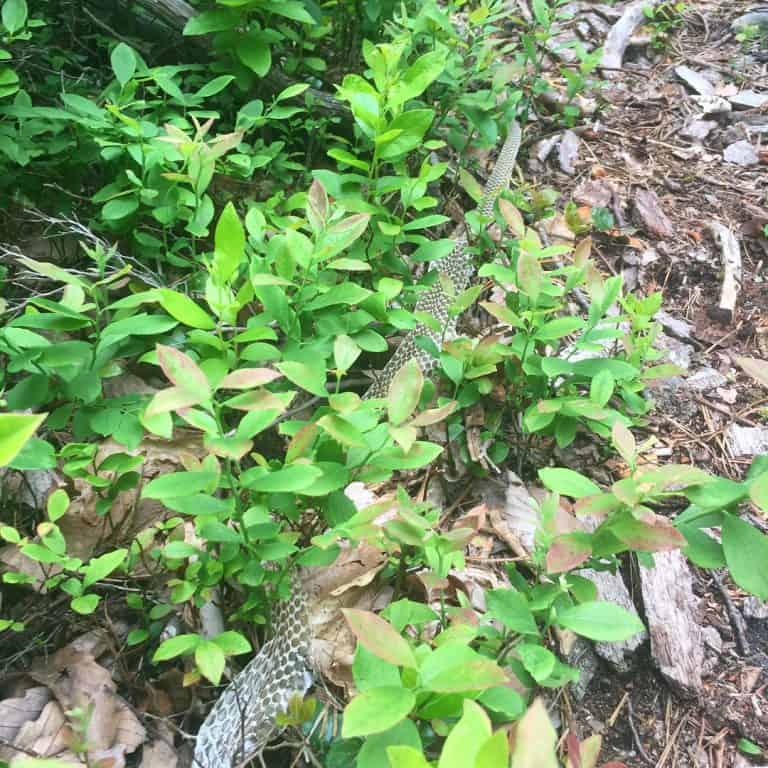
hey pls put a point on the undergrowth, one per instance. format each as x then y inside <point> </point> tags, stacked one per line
<point>234,250</point>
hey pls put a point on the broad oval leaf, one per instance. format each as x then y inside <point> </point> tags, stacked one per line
<point>376,710</point>
<point>405,392</point>
<point>380,638</point>
<point>601,621</point>
<point>746,552</point>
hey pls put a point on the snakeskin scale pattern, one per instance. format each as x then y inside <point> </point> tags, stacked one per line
<point>459,267</point>
<point>242,721</point>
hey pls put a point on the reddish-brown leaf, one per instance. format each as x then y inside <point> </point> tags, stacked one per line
<point>379,637</point>
<point>248,378</point>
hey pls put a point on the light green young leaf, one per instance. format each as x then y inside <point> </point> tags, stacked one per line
<point>15,430</point>
<point>376,710</point>
<point>180,645</point>
<point>182,308</point>
<point>85,604</point>
<point>100,567</point>
<point>229,242</point>
<point>567,482</point>
<point>14,15</point>
<point>602,621</point>
<point>466,738</point>
<point>210,660</point>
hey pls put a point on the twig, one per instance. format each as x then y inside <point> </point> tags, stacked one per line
<point>635,734</point>
<point>722,409</point>
<point>737,622</point>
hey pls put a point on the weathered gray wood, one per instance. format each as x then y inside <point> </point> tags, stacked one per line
<point>677,642</point>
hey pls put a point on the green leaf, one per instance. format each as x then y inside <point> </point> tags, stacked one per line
<point>374,751</point>
<point>376,710</point>
<point>218,20</point>
<point>15,430</point>
<point>606,622</point>
<point>342,431</point>
<point>120,207</point>
<point>345,352</point>
<point>420,454</point>
<point>601,388</point>
<point>405,392</point>
<point>85,604</point>
<point>701,548</point>
<point>100,567</point>
<point>180,645</point>
<point>14,15</point>
<point>511,609</point>
<point>746,552</point>
<point>182,308</point>
<point>292,9</point>
<point>567,482</point>
<point>466,738</point>
<point>559,327</point>
<point>178,484</point>
<point>210,660</point>
<point>380,638</point>
<point>417,78</point>
<point>232,643</point>
<point>456,668</point>
<point>310,377</point>
<point>214,86</point>
<point>346,293</point>
<point>229,242</point>
<point>530,276</point>
<point>537,660</point>
<point>406,757</point>
<point>123,61</point>
<point>503,701</point>
<point>412,125</point>
<point>254,51</point>
<point>290,479</point>
<point>494,753</point>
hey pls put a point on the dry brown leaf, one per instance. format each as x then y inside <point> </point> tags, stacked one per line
<point>15,712</point>
<point>76,680</point>
<point>47,735</point>
<point>347,583</point>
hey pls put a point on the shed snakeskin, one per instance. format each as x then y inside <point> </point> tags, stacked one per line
<point>242,721</point>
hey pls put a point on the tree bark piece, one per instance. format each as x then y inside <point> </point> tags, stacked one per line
<point>731,253</point>
<point>618,38</point>
<point>677,642</point>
